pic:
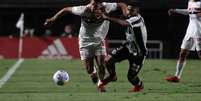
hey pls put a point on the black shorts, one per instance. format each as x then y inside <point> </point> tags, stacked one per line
<point>122,53</point>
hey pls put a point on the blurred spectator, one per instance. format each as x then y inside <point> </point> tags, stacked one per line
<point>68,31</point>
<point>29,32</point>
<point>48,32</point>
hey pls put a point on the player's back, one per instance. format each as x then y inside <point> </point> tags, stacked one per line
<point>136,35</point>
<point>137,24</point>
<point>194,19</point>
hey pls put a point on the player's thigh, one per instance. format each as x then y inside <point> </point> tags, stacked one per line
<point>100,50</point>
<point>88,62</point>
<point>188,44</point>
<point>120,54</point>
<point>86,52</point>
<point>199,53</point>
<point>198,44</point>
<point>100,60</point>
<point>100,53</point>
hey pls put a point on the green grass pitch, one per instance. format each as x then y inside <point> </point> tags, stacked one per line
<point>33,82</point>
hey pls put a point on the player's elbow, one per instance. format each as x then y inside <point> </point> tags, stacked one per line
<point>67,9</point>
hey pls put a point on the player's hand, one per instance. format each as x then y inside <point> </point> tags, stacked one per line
<point>171,11</point>
<point>49,22</point>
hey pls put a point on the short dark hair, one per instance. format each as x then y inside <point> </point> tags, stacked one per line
<point>133,2</point>
<point>136,8</point>
<point>98,0</point>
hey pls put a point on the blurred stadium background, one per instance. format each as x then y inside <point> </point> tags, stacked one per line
<point>168,30</point>
<point>33,80</point>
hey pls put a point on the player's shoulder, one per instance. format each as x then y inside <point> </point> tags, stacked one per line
<point>133,18</point>
<point>108,3</point>
<point>110,6</point>
<point>78,10</point>
<point>79,7</point>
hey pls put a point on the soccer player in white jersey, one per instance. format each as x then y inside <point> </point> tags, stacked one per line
<point>134,49</point>
<point>91,35</point>
<point>192,39</point>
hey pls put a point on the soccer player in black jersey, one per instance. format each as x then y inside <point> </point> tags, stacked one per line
<point>134,49</point>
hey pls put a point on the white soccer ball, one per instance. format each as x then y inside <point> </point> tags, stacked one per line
<point>60,77</point>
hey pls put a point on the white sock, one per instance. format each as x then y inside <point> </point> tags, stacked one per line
<point>99,83</point>
<point>179,68</point>
<point>94,70</point>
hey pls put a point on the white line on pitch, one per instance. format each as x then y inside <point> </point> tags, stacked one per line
<point>10,72</point>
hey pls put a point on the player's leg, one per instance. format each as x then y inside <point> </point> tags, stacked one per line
<point>187,45</point>
<point>179,67</point>
<point>133,75</point>
<point>181,62</point>
<point>110,66</point>
<point>198,47</point>
<point>88,62</point>
<point>89,65</point>
<point>101,66</point>
<point>100,71</point>
<point>115,56</point>
<point>100,53</point>
<point>199,54</point>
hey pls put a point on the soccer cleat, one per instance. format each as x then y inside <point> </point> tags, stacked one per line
<point>101,86</point>
<point>94,78</point>
<point>174,79</point>
<point>137,88</point>
<point>101,89</point>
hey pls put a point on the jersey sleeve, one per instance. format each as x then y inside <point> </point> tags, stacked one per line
<point>78,10</point>
<point>182,11</point>
<point>109,7</point>
<point>134,20</point>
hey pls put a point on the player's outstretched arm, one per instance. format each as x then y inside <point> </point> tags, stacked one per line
<point>116,20</point>
<point>50,21</point>
<point>179,11</point>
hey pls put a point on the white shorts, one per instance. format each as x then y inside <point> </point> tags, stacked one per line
<point>91,51</point>
<point>191,43</point>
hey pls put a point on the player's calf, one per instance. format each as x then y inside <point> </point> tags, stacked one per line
<point>134,80</point>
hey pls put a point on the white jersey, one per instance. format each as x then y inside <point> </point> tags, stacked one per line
<point>194,26</point>
<point>93,30</point>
